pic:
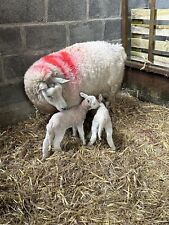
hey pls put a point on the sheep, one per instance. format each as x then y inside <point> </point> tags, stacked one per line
<point>55,80</point>
<point>102,121</point>
<point>61,121</point>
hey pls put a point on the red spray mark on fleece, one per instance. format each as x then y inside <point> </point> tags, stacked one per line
<point>68,60</point>
<point>62,60</point>
<point>56,61</point>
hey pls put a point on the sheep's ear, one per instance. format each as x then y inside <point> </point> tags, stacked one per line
<point>42,86</point>
<point>100,98</point>
<point>60,80</point>
<point>83,95</point>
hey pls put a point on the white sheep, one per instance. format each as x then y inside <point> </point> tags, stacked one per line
<point>102,121</point>
<point>55,80</point>
<point>61,121</point>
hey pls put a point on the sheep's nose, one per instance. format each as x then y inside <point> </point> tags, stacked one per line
<point>64,108</point>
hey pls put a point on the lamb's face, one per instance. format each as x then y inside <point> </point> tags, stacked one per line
<point>92,102</point>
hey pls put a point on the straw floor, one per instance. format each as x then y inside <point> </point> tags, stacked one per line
<point>82,185</point>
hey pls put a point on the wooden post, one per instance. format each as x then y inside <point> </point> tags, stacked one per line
<point>124,24</point>
<point>152,6</point>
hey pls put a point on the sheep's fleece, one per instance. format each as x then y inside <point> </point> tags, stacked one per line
<point>55,80</point>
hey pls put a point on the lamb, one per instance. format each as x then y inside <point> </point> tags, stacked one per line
<point>61,121</point>
<point>102,121</point>
<point>55,80</point>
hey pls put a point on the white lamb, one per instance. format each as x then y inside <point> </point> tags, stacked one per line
<point>61,121</point>
<point>102,121</point>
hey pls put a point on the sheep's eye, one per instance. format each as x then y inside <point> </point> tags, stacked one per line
<point>88,101</point>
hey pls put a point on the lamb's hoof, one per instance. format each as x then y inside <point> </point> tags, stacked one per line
<point>113,149</point>
<point>57,151</point>
<point>84,142</point>
<point>90,146</point>
<point>47,155</point>
<point>44,159</point>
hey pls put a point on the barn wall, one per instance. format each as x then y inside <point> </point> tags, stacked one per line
<point>162,4</point>
<point>32,28</point>
<point>147,86</point>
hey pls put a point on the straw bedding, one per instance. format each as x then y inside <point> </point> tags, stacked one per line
<point>82,185</point>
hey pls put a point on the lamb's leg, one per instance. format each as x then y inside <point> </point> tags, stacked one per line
<point>74,131</point>
<point>47,143</point>
<point>100,129</point>
<point>57,141</point>
<point>109,133</point>
<point>81,133</point>
<point>94,133</point>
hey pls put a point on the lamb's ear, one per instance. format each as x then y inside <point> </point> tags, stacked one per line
<point>83,95</point>
<point>100,98</point>
<point>42,86</point>
<point>60,80</point>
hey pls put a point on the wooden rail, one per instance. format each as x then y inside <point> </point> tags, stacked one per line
<point>145,46</point>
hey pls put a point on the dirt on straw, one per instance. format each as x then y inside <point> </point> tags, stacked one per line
<point>82,185</point>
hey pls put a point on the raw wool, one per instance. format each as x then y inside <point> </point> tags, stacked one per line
<point>91,67</point>
<point>84,186</point>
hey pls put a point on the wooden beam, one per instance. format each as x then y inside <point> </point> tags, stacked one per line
<point>143,44</point>
<point>143,57</point>
<point>124,24</point>
<point>147,25</point>
<point>140,29</point>
<point>149,68</point>
<point>152,5</point>
<point>144,14</point>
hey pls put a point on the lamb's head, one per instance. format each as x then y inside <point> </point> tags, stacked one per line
<point>53,93</point>
<point>89,101</point>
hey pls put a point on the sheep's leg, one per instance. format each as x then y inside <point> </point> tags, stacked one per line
<point>81,133</point>
<point>47,143</point>
<point>57,141</point>
<point>94,133</point>
<point>109,133</point>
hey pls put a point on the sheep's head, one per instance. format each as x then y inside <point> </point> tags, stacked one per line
<point>53,94</point>
<point>90,101</point>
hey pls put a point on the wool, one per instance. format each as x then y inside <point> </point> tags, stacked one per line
<point>93,67</point>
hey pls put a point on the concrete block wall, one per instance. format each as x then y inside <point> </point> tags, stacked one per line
<point>32,28</point>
